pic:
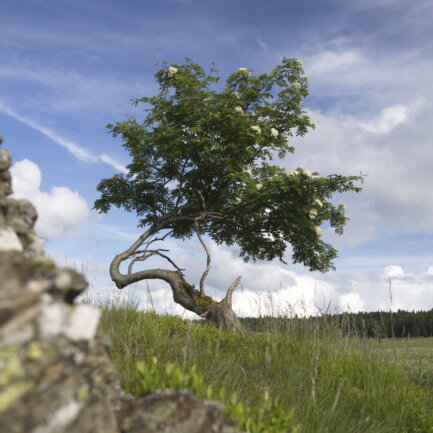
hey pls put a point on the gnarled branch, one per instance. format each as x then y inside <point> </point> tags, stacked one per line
<point>151,253</point>
<point>197,229</point>
<point>205,273</point>
<point>230,290</point>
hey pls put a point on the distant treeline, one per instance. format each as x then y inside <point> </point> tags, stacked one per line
<point>379,324</point>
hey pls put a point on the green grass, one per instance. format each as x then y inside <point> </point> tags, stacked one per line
<point>414,356</point>
<point>418,346</point>
<point>332,383</point>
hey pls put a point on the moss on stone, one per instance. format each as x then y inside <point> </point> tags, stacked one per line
<point>162,410</point>
<point>34,351</point>
<point>82,394</point>
<point>12,369</point>
<point>43,260</point>
<point>13,392</point>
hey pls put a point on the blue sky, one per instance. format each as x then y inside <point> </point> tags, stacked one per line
<point>68,68</point>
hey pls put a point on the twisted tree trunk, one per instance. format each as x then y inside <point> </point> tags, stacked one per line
<point>185,294</point>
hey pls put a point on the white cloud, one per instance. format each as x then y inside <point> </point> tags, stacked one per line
<point>121,232</point>
<point>351,302</point>
<point>59,211</point>
<point>331,62</point>
<point>393,271</point>
<point>397,165</point>
<point>358,81</point>
<point>77,151</point>
<point>388,119</point>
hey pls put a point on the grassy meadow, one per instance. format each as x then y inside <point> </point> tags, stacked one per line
<point>414,356</point>
<point>294,376</point>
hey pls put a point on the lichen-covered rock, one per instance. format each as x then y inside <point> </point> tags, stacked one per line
<point>172,411</point>
<point>5,159</point>
<point>56,375</point>
<point>5,183</point>
<point>9,240</point>
<point>21,215</point>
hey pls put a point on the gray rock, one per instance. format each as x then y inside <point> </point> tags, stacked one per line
<point>21,215</point>
<point>5,183</point>
<point>5,159</point>
<point>56,375</point>
<point>9,240</point>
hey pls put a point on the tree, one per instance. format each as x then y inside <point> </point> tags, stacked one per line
<point>201,163</point>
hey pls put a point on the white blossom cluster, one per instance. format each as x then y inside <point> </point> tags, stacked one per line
<point>274,132</point>
<point>244,70</point>
<point>313,213</point>
<point>298,171</point>
<point>256,129</point>
<point>172,71</point>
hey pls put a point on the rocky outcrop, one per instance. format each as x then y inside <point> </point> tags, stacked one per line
<point>56,375</point>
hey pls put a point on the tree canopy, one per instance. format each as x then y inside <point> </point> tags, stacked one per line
<point>204,155</point>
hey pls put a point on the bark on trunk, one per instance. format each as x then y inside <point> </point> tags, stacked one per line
<point>185,294</point>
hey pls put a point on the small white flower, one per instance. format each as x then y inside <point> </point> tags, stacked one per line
<point>259,186</point>
<point>171,71</point>
<point>245,70</point>
<point>256,129</point>
<point>308,173</point>
<point>312,214</point>
<point>341,206</point>
<point>299,62</point>
<point>292,173</point>
<point>296,85</point>
<point>318,231</point>
<point>274,132</point>
<point>318,202</point>
<point>236,94</point>
<point>239,110</point>
<point>279,167</point>
<point>206,100</point>
<point>247,171</point>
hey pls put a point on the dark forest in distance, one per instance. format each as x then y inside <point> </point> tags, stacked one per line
<point>378,324</point>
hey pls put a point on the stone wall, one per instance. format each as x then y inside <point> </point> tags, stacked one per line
<point>56,375</point>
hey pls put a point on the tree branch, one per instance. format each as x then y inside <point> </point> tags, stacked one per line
<point>197,229</point>
<point>171,261</point>
<point>205,273</point>
<point>151,253</point>
<point>231,289</point>
<point>154,240</point>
